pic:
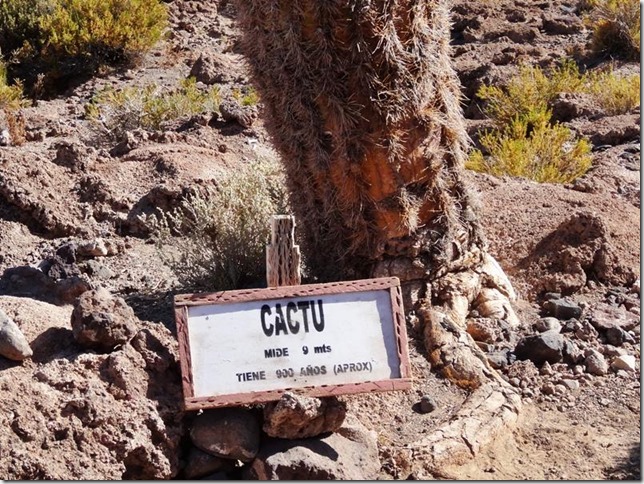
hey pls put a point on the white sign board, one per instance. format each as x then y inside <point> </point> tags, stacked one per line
<point>323,339</point>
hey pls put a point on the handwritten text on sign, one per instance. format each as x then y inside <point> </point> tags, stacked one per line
<point>323,338</point>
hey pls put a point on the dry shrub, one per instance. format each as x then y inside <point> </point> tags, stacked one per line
<point>216,238</point>
<point>116,112</point>
<point>616,27</point>
<point>530,147</point>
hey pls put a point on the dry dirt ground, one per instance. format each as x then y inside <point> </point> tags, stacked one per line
<point>63,185</point>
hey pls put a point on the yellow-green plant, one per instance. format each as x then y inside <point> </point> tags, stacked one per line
<point>615,94</point>
<point>11,97</point>
<point>532,89</point>
<point>64,38</point>
<point>103,29</point>
<point>215,239</point>
<point>616,27</point>
<point>149,107</point>
<point>247,98</point>
<point>530,147</point>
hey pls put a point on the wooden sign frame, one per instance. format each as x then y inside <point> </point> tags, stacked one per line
<point>185,301</point>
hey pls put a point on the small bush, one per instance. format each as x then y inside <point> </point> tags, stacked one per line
<point>216,238</point>
<point>11,100</point>
<point>615,95</point>
<point>530,147</point>
<point>616,27</point>
<point>247,98</point>
<point>102,29</point>
<point>533,90</point>
<point>148,107</point>
<point>11,97</point>
<point>65,38</point>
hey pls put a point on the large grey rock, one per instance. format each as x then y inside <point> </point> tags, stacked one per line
<point>562,309</point>
<point>298,417</point>
<point>13,344</point>
<point>617,336</point>
<point>232,433</point>
<point>351,453</point>
<point>596,363</point>
<point>101,321</point>
<point>540,348</point>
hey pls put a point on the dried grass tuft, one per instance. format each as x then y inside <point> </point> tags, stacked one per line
<point>215,239</point>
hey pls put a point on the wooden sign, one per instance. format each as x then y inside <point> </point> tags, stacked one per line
<point>250,346</point>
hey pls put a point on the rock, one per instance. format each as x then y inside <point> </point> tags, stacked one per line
<point>624,362</point>
<point>562,309</point>
<point>213,68</point>
<point>102,322</point>
<point>567,106</point>
<point>562,24</point>
<point>233,112</point>
<point>570,384</point>
<point>483,329</point>
<point>231,433</point>
<point>548,324</point>
<point>586,332</point>
<point>605,316</point>
<point>201,464</point>
<point>547,346</point>
<point>635,288</point>
<point>546,369</point>
<point>351,453</point>
<point>426,404</point>
<point>74,155</point>
<point>98,270</point>
<point>497,359</point>
<point>5,138</point>
<point>595,363</point>
<point>13,344</point>
<point>298,417</point>
<point>548,389</point>
<point>26,281</point>
<point>610,350</point>
<point>93,248</point>
<point>617,336</point>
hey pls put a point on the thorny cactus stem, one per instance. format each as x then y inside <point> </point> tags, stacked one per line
<point>363,104</point>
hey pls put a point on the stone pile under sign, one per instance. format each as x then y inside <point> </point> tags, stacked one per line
<point>250,346</point>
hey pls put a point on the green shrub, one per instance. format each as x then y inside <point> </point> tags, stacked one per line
<point>532,89</point>
<point>216,238</point>
<point>65,38</point>
<point>11,97</point>
<point>616,27</point>
<point>20,23</point>
<point>102,29</point>
<point>530,147</point>
<point>247,98</point>
<point>615,94</point>
<point>148,107</point>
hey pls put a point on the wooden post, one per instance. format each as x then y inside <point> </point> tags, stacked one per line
<point>282,255</point>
